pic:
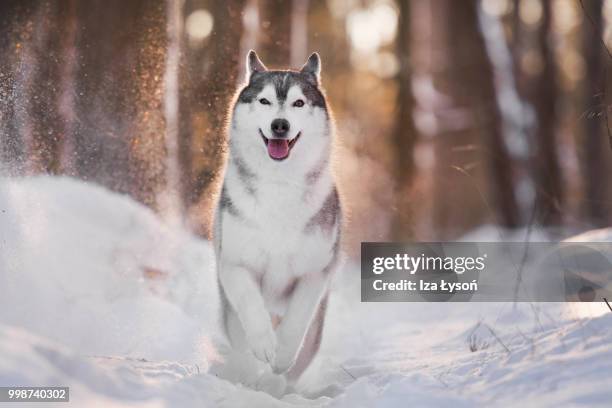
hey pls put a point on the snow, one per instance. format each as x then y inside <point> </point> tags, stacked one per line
<point>74,255</point>
<point>97,294</point>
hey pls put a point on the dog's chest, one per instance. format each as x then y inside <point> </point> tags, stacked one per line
<point>273,238</point>
<point>280,213</point>
<point>281,209</point>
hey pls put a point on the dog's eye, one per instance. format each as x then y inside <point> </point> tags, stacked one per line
<point>264,101</point>
<point>299,103</point>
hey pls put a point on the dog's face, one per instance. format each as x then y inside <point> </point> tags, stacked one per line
<point>281,116</point>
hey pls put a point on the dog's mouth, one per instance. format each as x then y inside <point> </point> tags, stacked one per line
<point>279,149</point>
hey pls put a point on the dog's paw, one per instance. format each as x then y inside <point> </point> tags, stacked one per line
<point>284,359</point>
<point>263,345</point>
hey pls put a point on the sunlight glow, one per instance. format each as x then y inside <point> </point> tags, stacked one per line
<point>199,24</point>
<point>572,65</point>
<point>384,64</point>
<point>373,27</point>
<point>532,62</point>
<point>607,15</point>
<point>565,16</point>
<point>530,11</point>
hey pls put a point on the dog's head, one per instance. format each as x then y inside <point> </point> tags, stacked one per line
<point>281,115</point>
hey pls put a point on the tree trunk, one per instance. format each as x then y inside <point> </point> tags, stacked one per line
<point>596,153</point>
<point>49,101</point>
<point>67,96</point>
<point>170,199</point>
<point>191,75</point>
<point>404,134</point>
<point>299,32</point>
<point>547,173</point>
<point>274,40</point>
<point>16,18</point>
<point>474,179</point>
<point>120,138</point>
<point>210,107</point>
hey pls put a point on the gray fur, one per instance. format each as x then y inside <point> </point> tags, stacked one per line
<point>327,216</point>
<point>312,341</point>
<point>333,262</point>
<point>226,204</point>
<point>282,82</point>
<point>288,291</point>
<point>315,174</point>
<point>246,176</point>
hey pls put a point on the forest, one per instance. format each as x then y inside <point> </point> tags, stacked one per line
<point>450,115</point>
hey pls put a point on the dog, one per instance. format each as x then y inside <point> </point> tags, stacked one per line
<point>277,224</point>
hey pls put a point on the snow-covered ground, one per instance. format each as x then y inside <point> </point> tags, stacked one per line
<point>97,294</point>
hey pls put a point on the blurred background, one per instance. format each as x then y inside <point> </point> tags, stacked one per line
<point>451,115</point>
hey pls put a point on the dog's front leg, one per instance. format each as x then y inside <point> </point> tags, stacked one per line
<point>297,319</point>
<point>244,295</point>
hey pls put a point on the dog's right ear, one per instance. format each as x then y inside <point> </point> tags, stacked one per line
<point>254,64</point>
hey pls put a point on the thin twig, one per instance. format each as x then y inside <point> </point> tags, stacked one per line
<point>347,371</point>
<point>607,303</point>
<point>519,277</point>
<point>498,339</point>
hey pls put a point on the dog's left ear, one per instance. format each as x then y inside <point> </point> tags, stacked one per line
<point>312,67</point>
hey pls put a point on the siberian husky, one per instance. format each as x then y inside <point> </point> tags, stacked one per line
<point>277,225</point>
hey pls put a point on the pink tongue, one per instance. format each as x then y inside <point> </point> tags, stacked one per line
<point>278,148</point>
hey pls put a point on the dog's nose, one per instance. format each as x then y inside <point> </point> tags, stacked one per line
<point>280,127</point>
